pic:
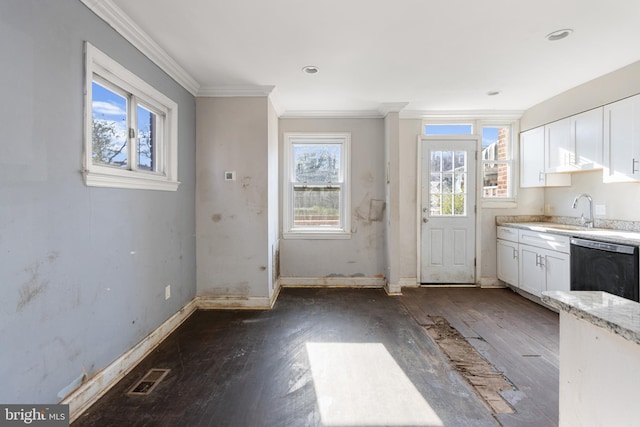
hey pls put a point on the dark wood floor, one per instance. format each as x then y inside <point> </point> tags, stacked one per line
<point>338,357</point>
<point>518,337</point>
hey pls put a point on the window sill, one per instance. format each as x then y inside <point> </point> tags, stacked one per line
<point>499,204</point>
<point>316,235</point>
<point>130,180</point>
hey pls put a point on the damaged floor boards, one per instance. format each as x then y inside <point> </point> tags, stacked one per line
<point>319,357</point>
<point>278,367</point>
<point>516,336</point>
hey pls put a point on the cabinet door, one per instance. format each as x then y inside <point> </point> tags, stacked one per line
<point>531,274</point>
<point>508,265</point>
<point>622,140</point>
<point>532,158</point>
<point>557,271</point>
<point>588,139</point>
<point>559,146</point>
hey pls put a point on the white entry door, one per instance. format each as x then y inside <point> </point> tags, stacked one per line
<point>448,193</point>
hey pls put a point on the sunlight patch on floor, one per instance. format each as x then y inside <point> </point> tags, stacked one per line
<point>361,384</point>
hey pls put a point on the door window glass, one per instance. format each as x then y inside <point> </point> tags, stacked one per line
<point>447,187</point>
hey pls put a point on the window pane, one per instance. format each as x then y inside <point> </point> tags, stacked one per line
<point>495,143</point>
<point>448,190</point>
<point>436,161</point>
<point>495,180</point>
<point>146,142</point>
<point>316,162</point>
<point>496,176</point>
<point>316,206</point>
<point>109,127</point>
<point>453,129</point>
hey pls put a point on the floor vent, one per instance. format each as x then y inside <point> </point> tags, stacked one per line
<point>146,385</point>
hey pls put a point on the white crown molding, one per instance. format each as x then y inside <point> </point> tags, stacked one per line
<point>332,114</point>
<point>276,101</point>
<point>235,90</point>
<point>461,114</point>
<point>125,26</point>
<point>391,107</point>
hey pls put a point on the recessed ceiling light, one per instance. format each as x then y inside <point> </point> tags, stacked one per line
<point>310,69</point>
<point>493,93</point>
<point>559,34</point>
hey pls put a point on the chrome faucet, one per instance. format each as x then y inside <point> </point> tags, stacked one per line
<point>585,222</point>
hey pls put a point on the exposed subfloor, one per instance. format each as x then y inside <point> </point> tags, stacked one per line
<point>518,337</point>
<point>344,357</point>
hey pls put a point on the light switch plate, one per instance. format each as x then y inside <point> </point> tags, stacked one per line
<point>601,210</point>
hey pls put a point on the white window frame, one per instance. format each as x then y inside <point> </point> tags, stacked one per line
<point>113,74</point>
<point>477,124</point>
<point>501,202</point>
<point>343,231</point>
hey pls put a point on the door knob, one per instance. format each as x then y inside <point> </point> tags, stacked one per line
<point>425,220</point>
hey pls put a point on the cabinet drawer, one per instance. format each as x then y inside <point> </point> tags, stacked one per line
<point>549,241</point>
<point>507,233</point>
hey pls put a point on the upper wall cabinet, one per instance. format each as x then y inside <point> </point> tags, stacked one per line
<point>622,140</point>
<point>532,162</point>
<point>575,143</point>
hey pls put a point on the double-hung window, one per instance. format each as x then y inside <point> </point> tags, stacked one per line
<point>316,199</point>
<point>130,129</point>
<point>497,162</point>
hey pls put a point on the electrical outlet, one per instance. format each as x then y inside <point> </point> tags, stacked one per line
<point>167,292</point>
<point>601,210</point>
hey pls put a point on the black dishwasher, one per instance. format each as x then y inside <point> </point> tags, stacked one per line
<point>609,267</point>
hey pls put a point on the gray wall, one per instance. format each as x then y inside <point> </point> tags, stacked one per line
<point>82,270</point>
<point>233,239</point>
<point>364,253</point>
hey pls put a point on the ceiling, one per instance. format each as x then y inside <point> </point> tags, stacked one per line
<point>433,55</point>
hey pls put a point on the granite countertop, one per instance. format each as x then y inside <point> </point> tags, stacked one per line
<point>623,237</point>
<point>618,315</point>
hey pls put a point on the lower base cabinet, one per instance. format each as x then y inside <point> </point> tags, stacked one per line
<point>528,262</point>
<point>543,270</point>
<point>508,265</point>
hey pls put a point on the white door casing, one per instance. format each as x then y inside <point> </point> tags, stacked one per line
<point>448,199</point>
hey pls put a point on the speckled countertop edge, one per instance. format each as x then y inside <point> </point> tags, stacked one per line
<point>618,315</point>
<point>627,232</point>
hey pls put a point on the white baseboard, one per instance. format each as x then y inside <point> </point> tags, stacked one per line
<point>95,387</point>
<point>403,282</point>
<point>409,282</point>
<point>332,282</point>
<point>237,303</point>
<point>491,282</point>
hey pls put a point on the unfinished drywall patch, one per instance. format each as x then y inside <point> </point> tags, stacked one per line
<point>376,210</point>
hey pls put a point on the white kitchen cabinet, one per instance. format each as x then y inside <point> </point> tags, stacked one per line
<point>507,255</point>
<point>588,138</point>
<point>622,140</point>
<point>544,262</point>
<point>574,143</point>
<point>557,268</point>
<point>532,162</point>
<point>531,272</point>
<point>559,147</point>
